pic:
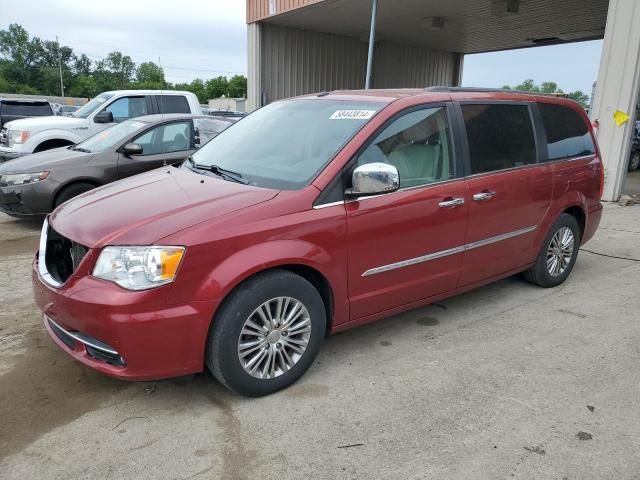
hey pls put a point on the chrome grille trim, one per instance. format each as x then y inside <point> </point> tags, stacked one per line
<point>42,252</point>
<point>446,253</point>
<point>84,339</point>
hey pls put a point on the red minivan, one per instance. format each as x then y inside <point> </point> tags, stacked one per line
<point>314,215</point>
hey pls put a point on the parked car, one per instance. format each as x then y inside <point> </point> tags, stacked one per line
<point>67,110</point>
<point>36,184</point>
<point>634,155</point>
<point>23,137</point>
<point>17,108</point>
<point>311,216</point>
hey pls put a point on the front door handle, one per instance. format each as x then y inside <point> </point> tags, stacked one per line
<point>451,202</point>
<point>484,196</point>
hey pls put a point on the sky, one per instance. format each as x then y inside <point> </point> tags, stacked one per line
<point>207,38</point>
<point>193,38</point>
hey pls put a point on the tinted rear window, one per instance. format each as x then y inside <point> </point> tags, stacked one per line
<point>568,135</point>
<point>26,109</point>
<point>500,136</point>
<point>172,104</point>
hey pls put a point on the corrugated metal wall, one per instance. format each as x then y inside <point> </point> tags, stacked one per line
<point>259,9</point>
<point>296,62</point>
<point>404,66</point>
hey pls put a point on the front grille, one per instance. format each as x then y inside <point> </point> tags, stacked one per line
<point>4,137</point>
<point>62,335</point>
<point>62,256</point>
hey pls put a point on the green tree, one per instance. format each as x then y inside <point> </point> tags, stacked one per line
<point>83,86</point>
<point>550,87</point>
<point>238,86</point>
<point>217,87</point>
<point>150,73</point>
<point>114,72</point>
<point>82,65</point>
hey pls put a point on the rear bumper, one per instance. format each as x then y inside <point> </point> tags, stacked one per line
<point>594,215</point>
<point>127,335</point>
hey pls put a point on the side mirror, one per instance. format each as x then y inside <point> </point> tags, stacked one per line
<point>132,149</point>
<point>374,179</point>
<point>103,117</point>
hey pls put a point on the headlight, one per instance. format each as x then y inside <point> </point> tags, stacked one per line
<point>22,178</point>
<point>138,268</point>
<point>17,136</point>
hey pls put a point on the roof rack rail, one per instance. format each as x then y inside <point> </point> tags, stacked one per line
<point>492,90</point>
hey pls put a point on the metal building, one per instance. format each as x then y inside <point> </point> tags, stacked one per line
<point>304,46</point>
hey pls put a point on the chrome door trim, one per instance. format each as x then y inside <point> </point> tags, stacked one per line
<point>498,238</point>
<point>446,253</point>
<point>413,261</point>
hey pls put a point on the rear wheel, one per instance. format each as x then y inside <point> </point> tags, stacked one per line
<point>71,191</point>
<point>266,334</point>
<point>558,254</point>
<point>634,161</point>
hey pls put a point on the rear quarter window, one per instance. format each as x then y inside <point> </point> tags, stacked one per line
<point>500,136</point>
<point>567,132</point>
<point>172,104</point>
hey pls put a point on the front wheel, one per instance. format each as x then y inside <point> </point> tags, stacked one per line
<point>557,255</point>
<point>266,334</point>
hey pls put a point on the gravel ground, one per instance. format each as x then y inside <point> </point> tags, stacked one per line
<point>508,381</point>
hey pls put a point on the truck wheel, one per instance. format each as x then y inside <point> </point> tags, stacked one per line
<point>71,191</point>
<point>266,334</point>
<point>557,255</point>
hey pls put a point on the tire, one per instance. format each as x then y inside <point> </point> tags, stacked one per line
<point>71,191</point>
<point>230,329</point>
<point>634,161</point>
<point>547,273</point>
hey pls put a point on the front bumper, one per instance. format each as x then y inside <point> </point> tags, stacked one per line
<point>7,154</point>
<point>30,199</point>
<point>148,338</point>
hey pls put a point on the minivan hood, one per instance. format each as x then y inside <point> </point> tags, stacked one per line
<point>145,208</point>
<point>37,162</point>
<point>37,124</point>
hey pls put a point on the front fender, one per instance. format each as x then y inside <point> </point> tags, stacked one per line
<point>241,265</point>
<point>54,134</point>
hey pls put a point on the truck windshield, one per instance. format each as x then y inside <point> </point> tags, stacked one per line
<point>110,137</point>
<point>88,108</point>
<point>286,144</point>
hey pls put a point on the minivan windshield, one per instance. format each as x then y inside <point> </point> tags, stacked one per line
<point>110,137</point>
<point>286,144</point>
<point>88,108</point>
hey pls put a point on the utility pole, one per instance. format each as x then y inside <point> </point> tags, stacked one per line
<point>60,67</point>
<point>372,41</point>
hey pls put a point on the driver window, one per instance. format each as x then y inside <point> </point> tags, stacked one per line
<point>167,138</point>
<point>417,144</point>
<point>127,107</point>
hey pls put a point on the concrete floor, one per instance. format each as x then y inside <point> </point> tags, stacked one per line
<point>631,184</point>
<point>496,383</point>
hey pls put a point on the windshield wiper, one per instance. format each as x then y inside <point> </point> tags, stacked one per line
<point>221,172</point>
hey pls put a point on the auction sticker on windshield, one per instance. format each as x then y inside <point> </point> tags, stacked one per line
<point>352,114</point>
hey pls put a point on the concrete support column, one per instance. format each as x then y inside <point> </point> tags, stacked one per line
<point>254,66</point>
<point>617,89</point>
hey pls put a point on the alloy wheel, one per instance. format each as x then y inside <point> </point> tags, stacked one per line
<point>560,252</point>
<point>274,337</point>
<point>635,161</point>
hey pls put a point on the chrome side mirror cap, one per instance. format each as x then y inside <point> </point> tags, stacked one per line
<point>374,179</point>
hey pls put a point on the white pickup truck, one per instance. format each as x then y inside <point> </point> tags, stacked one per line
<point>30,135</point>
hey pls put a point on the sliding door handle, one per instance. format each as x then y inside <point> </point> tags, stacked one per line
<point>484,196</point>
<point>451,202</point>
